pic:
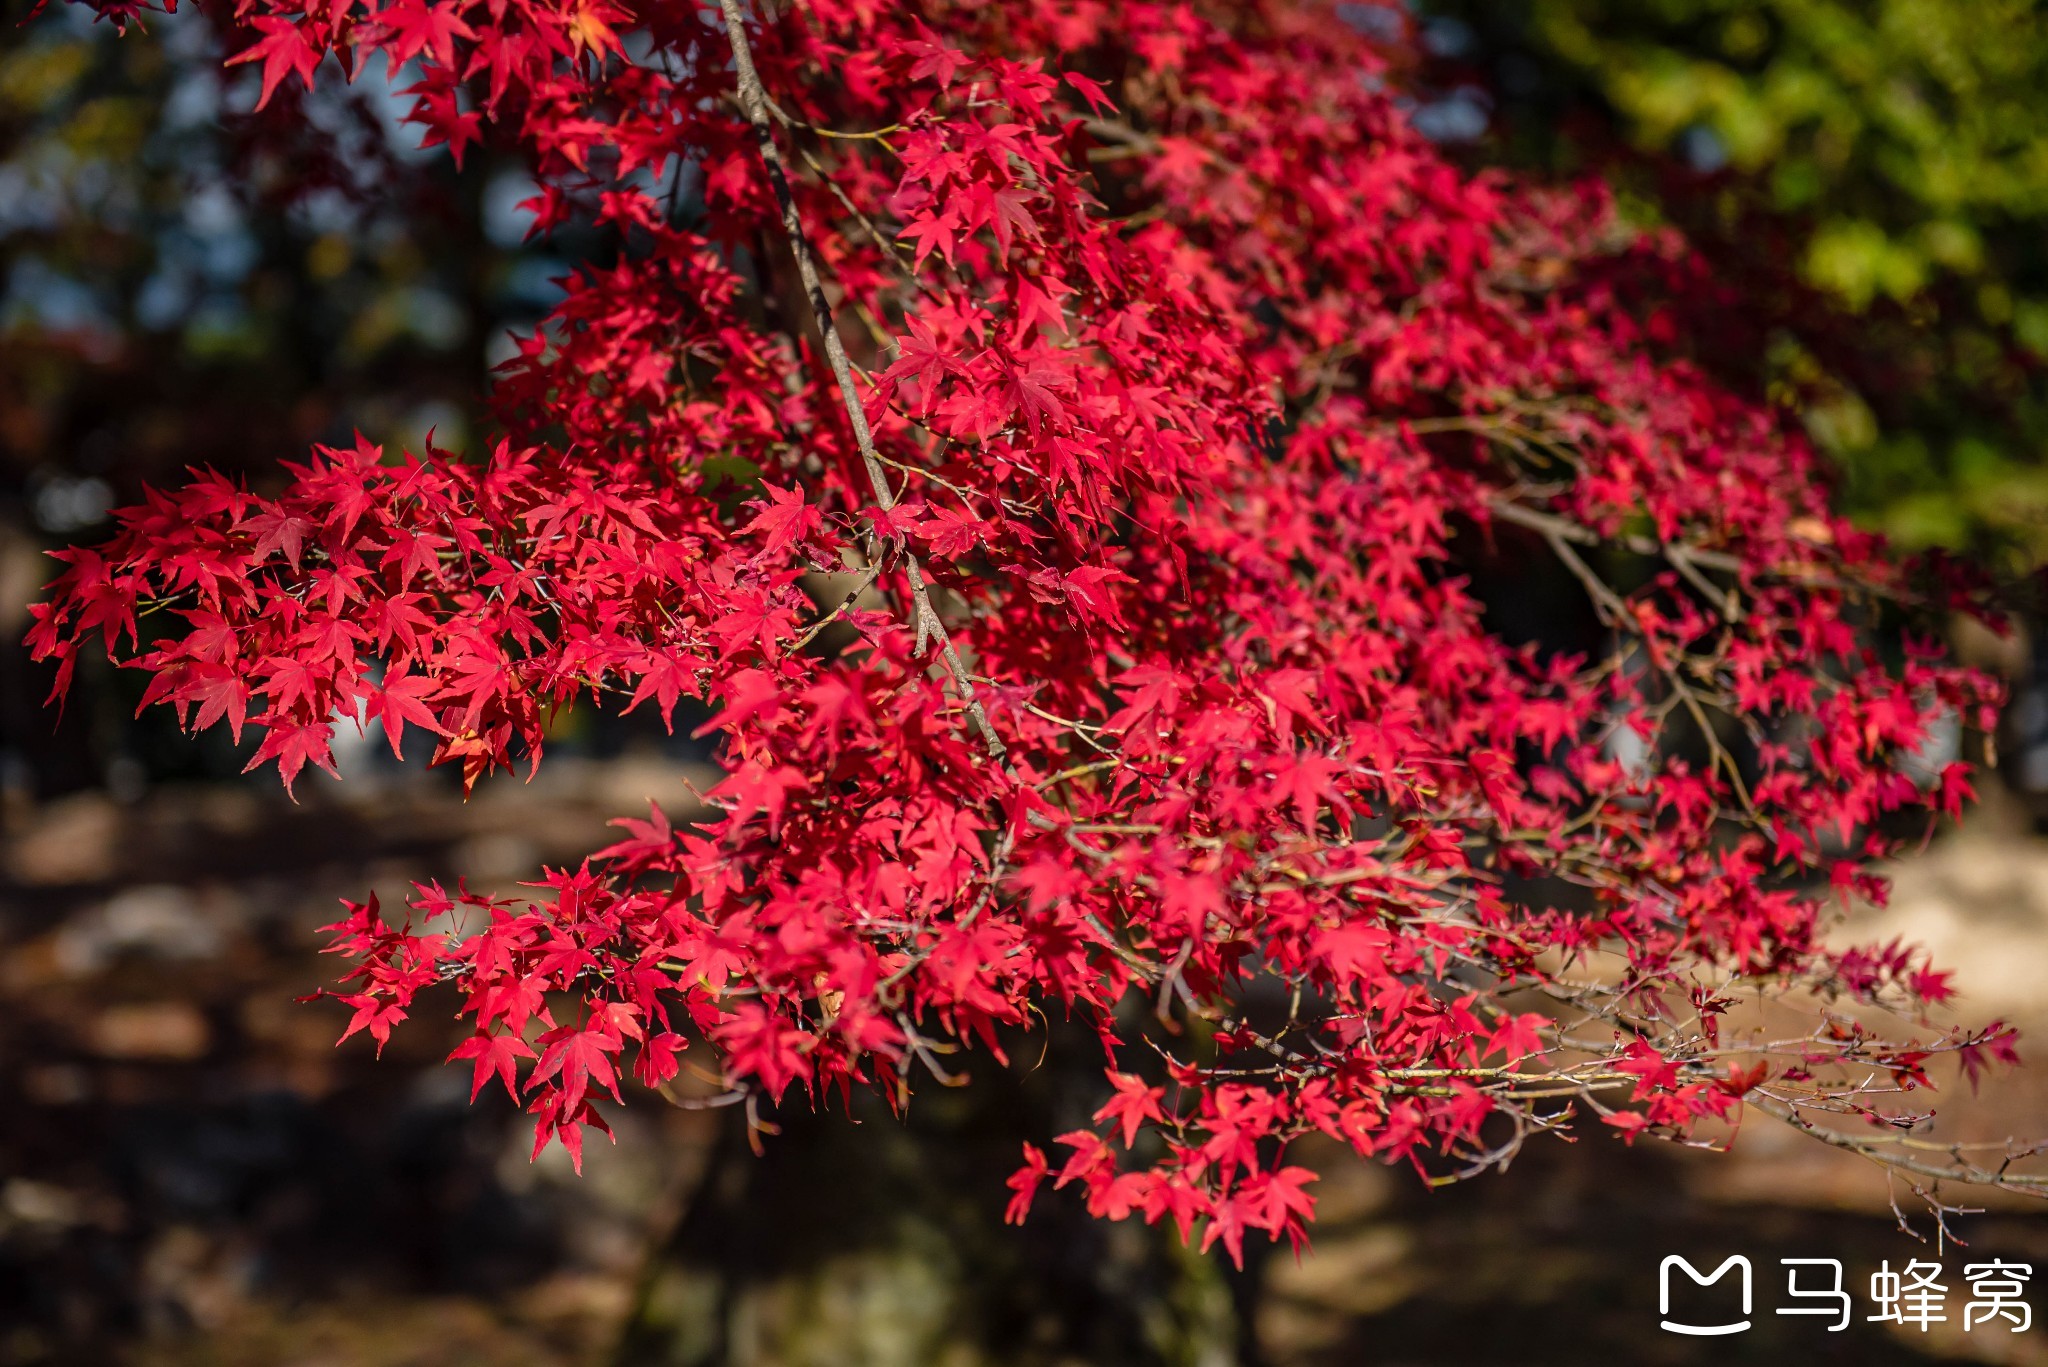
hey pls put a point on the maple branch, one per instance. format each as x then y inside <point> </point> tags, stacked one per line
<point>754,101</point>
<point>1874,1148</point>
<point>866,578</point>
<point>788,120</point>
<point>1690,558</point>
<point>1616,613</point>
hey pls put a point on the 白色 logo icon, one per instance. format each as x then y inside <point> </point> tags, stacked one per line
<point>1701,1330</point>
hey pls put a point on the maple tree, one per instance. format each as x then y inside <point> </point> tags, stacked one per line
<point>1060,476</point>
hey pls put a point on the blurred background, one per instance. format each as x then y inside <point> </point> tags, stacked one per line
<point>192,1173</point>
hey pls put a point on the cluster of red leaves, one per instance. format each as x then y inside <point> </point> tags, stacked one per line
<point>1193,372</point>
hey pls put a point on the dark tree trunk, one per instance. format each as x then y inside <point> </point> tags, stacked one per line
<point>875,1240</point>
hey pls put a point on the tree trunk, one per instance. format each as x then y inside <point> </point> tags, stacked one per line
<point>874,1240</point>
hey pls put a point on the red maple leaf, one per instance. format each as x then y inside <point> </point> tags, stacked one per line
<point>785,516</point>
<point>283,50</point>
<point>1133,1105</point>
<point>495,1055</point>
<point>572,1058</point>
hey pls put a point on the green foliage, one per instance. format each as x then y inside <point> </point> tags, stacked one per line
<point>1889,156</point>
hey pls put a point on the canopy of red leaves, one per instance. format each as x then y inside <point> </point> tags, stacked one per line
<point>1192,373</point>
